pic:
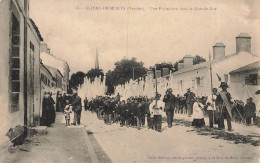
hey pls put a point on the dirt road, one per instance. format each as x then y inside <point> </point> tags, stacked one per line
<point>62,143</point>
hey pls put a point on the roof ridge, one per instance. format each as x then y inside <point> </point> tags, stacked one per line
<point>55,57</point>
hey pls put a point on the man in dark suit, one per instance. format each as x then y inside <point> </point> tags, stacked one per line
<point>190,99</point>
<point>169,100</point>
<point>76,107</point>
<point>250,111</point>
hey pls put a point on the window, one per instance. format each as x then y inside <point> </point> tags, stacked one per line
<point>44,79</point>
<point>193,83</point>
<point>15,62</point>
<point>202,81</point>
<point>31,68</point>
<point>31,46</point>
<point>198,82</point>
<point>251,79</point>
<point>180,85</point>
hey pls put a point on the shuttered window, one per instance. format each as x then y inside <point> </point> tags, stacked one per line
<point>246,80</point>
<point>253,79</point>
<point>15,61</point>
<point>197,82</point>
<point>202,81</point>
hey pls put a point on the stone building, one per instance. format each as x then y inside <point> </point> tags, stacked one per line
<point>19,72</point>
<point>49,59</point>
<point>197,77</point>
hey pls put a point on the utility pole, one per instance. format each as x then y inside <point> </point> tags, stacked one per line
<point>211,85</point>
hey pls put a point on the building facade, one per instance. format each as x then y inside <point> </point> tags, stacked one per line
<point>12,48</point>
<point>247,75</point>
<point>50,60</point>
<point>20,68</point>
<point>57,78</point>
<point>198,77</point>
<point>33,70</point>
<point>245,81</point>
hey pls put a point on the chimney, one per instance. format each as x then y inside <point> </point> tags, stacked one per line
<point>158,73</point>
<point>165,72</point>
<point>44,47</point>
<point>150,74</point>
<point>243,43</point>
<point>188,61</point>
<point>180,66</point>
<point>218,50</point>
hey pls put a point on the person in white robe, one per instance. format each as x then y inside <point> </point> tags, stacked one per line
<point>156,110</point>
<point>198,118</point>
<point>211,108</point>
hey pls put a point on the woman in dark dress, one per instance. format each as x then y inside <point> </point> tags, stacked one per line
<point>52,109</point>
<point>58,102</point>
<point>46,110</point>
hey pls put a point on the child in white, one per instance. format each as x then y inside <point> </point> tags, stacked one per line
<point>67,112</point>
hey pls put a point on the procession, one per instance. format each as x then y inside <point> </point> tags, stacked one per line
<point>141,111</point>
<point>129,81</point>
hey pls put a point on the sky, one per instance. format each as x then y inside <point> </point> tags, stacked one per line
<point>73,31</point>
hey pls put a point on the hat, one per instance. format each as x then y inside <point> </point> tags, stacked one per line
<point>223,84</point>
<point>169,89</point>
<point>188,89</point>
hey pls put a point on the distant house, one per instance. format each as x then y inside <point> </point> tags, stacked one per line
<point>248,75</point>
<point>57,77</point>
<point>47,80</point>
<point>49,59</point>
<point>197,77</point>
<point>245,81</point>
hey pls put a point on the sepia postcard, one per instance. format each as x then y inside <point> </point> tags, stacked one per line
<point>127,81</point>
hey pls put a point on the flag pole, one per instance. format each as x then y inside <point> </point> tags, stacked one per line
<point>156,92</point>
<point>211,84</point>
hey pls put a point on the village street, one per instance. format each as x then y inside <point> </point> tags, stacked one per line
<point>61,144</point>
<point>93,141</point>
<point>177,144</point>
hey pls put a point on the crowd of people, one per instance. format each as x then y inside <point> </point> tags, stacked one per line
<point>140,111</point>
<point>129,113</point>
<point>66,103</point>
<point>136,111</point>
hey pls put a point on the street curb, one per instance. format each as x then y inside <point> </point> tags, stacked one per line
<point>92,153</point>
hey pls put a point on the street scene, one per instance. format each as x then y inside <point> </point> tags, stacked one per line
<point>129,81</point>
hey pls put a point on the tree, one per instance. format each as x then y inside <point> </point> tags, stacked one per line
<point>160,66</point>
<point>77,79</point>
<point>95,73</point>
<point>109,82</point>
<point>198,59</point>
<point>124,70</point>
